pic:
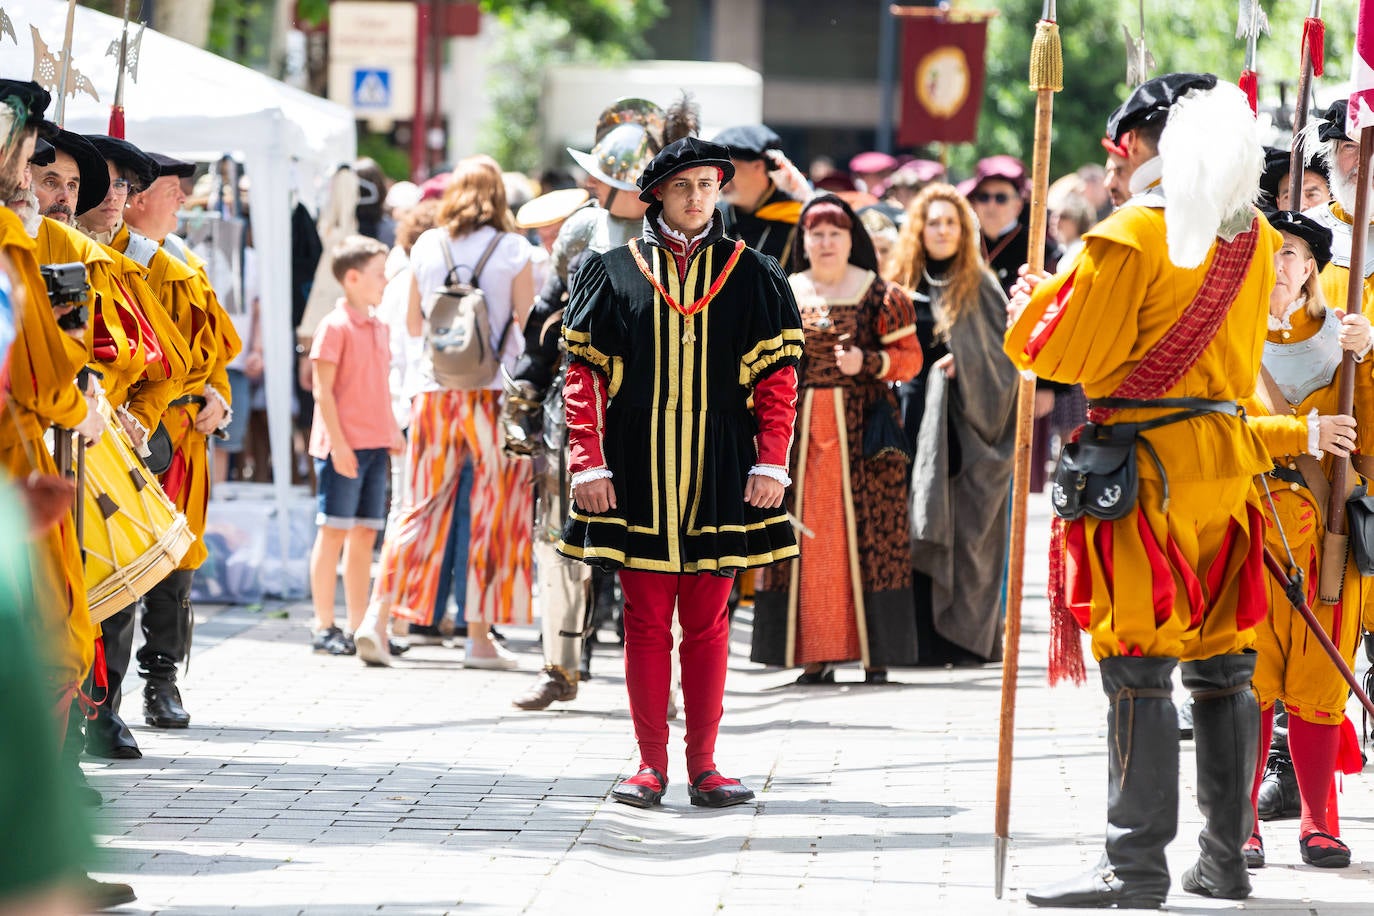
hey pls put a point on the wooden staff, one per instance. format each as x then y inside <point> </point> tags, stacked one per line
<point>1313,53</point>
<point>1335,546</point>
<point>1046,78</point>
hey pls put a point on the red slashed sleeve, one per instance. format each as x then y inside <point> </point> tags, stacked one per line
<point>775,409</point>
<point>584,402</point>
<point>900,357</point>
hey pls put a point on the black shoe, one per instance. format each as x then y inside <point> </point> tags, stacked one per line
<point>1279,798</point>
<point>332,641</point>
<point>875,677</point>
<point>1253,851</point>
<point>1142,792</point>
<point>826,675</point>
<point>1226,737</point>
<point>1324,856</point>
<point>103,895</point>
<point>162,705</point>
<point>396,648</point>
<point>109,737</point>
<point>732,793</point>
<point>637,796</point>
<point>85,793</point>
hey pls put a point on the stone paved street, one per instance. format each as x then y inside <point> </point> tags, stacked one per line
<point>308,784</point>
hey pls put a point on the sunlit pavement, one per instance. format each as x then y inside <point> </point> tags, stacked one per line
<point>309,784</point>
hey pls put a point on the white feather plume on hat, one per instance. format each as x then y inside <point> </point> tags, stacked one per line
<point>1213,159</point>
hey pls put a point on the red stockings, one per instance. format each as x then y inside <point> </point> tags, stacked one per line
<point>700,601</point>
<point>1314,749</point>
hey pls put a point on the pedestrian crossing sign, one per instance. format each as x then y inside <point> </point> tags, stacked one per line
<point>371,89</point>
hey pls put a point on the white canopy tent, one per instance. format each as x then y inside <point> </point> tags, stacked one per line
<point>192,104</point>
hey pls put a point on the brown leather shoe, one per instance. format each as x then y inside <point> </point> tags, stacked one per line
<point>552,685</point>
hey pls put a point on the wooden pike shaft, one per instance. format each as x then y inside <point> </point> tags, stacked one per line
<point>1016,560</point>
<point>1354,300</point>
<point>1296,166</point>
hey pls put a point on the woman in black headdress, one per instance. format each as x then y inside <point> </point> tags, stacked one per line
<point>842,600</point>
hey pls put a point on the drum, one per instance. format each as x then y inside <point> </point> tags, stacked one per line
<point>132,534</point>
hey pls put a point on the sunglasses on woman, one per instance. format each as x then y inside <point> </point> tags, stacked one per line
<point>998,197</point>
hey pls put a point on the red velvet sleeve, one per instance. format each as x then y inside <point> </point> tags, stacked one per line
<point>775,408</point>
<point>584,403</point>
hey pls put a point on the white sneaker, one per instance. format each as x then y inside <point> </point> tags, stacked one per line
<point>372,649</point>
<point>503,660</point>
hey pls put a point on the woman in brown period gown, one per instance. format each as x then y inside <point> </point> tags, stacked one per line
<point>848,597</point>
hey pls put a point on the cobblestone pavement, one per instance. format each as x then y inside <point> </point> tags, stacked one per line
<point>309,784</point>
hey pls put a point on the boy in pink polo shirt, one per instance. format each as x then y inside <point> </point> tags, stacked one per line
<point>353,433</point>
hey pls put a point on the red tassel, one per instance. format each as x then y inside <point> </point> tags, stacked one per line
<point>1249,84</point>
<point>1066,646</point>
<point>117,122</point>
<point>1314,40</point>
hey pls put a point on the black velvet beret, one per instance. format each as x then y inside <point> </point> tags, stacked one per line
<point>95,177</point>
<point>1317,236</point>
<point>1154,97</point>
<point>43,153</point>
<point>128,157</point>
<point>748,142</point>
<point>687,153</point>
<point>1276,163</point>
<point>33,99</point>
<point>166,165</point>
<point>1333,121</point>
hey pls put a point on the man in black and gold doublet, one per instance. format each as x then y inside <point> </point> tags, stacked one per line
<point>682,356</point>
<point>681,398</point>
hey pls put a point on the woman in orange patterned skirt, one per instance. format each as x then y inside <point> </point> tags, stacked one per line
<point>450,427</point>
<point>839,602</point>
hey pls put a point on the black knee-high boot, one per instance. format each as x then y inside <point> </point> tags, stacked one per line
<point>166,639</point>
<point>1226,734</point>
<point>107,735</point>
<point>1142,791</point>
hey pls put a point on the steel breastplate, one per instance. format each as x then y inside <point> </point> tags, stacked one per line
<point>1298,369</point>
<point>1341,232</point>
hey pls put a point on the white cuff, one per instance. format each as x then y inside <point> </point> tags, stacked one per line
<point>589,475</point>
<point>143,450</point>
<point>773,472</point>
<point>212,392</point>
<point>1314,435</point>
<point>1359,357</point>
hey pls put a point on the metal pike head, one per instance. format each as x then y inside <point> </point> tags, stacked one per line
<point>1139,61</point>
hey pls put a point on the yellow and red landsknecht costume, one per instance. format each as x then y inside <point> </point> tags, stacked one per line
<point>681,384</point>
<point>1150,340</point>
<point>40,383</point>
<point>1300,382</point>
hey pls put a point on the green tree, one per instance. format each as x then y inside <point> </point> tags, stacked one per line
<point>535,35</point>
<point>1201,39</point>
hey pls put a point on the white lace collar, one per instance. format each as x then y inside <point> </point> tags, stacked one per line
<point>1285,322</point>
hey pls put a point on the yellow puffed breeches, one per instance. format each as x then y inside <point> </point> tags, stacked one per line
<point>1187,584</point>
<point>1292,664</point>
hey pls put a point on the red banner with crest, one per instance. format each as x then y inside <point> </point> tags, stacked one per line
<point>942,80</point>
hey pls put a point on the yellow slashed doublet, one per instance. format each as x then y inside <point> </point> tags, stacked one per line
<point>1292,665</point>
<point>1180,584</point>
<point>41,373</point>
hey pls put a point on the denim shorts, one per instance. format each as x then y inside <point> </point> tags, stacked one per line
<point>352,502</point>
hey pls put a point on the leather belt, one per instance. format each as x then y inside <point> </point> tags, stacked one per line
<point>196,399</point>
<point>1288,475</point>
